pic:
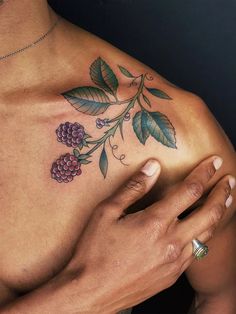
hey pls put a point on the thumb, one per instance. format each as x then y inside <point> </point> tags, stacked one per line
<point>136,187</point>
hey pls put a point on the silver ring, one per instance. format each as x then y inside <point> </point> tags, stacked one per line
<point>200,250</point>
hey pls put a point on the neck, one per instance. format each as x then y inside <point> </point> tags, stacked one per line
<point>21,23</point>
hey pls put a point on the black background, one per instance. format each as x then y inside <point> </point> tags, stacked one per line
<point>192,44</point>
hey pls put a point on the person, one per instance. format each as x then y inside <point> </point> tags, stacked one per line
<point>78,118</point>
<point>107,271</point>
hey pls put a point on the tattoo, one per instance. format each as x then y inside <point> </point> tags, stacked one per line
<point>95,101</point>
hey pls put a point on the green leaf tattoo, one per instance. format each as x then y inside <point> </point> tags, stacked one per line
<point>103,162</point>
<point>94,101</point>
<point>161,128</point>
<point>140,126</point>
<point>147,100</point>
<point>103,76</point>
<point>88,99</point>
<point>125,72</point>
<point>158,93</point>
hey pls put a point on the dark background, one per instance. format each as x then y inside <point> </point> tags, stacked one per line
<point>191,43</point>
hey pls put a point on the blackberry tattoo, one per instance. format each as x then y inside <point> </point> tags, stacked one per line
<point>94,101</point>
<point>65,168</point>
<point>71,134</point>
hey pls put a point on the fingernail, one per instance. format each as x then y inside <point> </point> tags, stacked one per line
<point>217,162</point>
<point>229,201</point>
<point>150,168</point>
<point>232,182</point>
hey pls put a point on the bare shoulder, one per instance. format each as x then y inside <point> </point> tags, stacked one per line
<point>171,98</point>
<point>147,115</point>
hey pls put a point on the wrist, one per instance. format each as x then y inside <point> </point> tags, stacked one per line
<point>84,292</point>
<point>65,293</point>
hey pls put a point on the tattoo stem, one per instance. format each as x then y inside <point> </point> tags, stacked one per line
<point>121,102</point>
<point>132,102</point>
<point>119,119</point>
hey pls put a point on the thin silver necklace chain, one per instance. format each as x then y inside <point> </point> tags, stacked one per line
<point>10,54</point>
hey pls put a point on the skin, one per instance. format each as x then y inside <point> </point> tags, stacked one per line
<point>43,219</point>
<point>165,244</point>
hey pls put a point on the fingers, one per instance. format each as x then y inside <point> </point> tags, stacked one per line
<point>186,193</point>
<point>136,187</point>
<point>187,255</point>
<point>209,215</point>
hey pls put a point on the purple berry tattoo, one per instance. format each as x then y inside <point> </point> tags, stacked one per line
<point>100,123</point>
<point>65,168</point>
<point>127,117</point>
<point>71,134</point>
<point>94,101</point>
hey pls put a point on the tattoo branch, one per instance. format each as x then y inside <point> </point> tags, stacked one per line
<point>95,101</point>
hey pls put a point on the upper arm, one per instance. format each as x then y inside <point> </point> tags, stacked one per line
<point>211,140</point>
<point>198,136</point>
<point>216,274</point>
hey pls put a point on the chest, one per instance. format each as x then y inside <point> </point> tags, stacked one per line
<point>42,217</point>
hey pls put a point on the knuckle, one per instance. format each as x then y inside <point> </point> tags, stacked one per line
<point>154,226</point>
<point>111,203</point>
<point>195,189</point>
<point>136,185</point>
<point>101,209</point>
<point>103,204</point>
<point>159,226</point>
<point>227,191</point>
<point>173,252</point>
<point>107,208</point>
<point>216,213</point>
<point>209,234</point>
<point>210,171</point>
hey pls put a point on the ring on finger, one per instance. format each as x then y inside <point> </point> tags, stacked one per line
<point>200,250</point>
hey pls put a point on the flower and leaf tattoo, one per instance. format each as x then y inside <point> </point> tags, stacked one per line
<point>94,101</point>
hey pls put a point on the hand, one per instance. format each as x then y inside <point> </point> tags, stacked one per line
<point>122,259</point>
<point>125,259</point>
